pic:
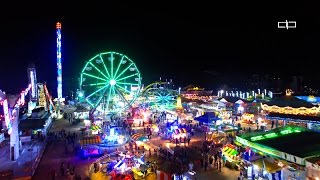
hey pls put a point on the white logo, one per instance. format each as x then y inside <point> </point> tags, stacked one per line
<point>287,24</point>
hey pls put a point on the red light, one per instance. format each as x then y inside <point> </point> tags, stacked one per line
<point>58,25</point>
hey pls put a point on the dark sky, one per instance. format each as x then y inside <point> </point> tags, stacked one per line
<point>193,44</point>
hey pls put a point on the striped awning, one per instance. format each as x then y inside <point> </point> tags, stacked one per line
<point>183,130</point>
<point>136,136</point>
<point>95,128</point>
<point>180,131</point>
<point>90,140</point>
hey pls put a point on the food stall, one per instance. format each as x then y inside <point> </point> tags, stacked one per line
<point>216,137</point>
<point>248,118</point>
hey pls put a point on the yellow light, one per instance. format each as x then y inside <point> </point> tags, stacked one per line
<point>179,104</point>
<point>290,110</point>
<point>289,92</point>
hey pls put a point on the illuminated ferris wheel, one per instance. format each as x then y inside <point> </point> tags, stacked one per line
<point>111,82</point>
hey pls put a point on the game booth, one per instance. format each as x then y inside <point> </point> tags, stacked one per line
<point>233,159</point>
<point>216,137</point>
<point>179,133</point>
<point>139,137</point>
<point>155,129</point>
<point>261,167</point>
<point>248,118</point>
<point>137,141</point>
<point>89,148</point>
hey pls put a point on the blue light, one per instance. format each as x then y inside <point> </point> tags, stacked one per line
<point>59,64</point>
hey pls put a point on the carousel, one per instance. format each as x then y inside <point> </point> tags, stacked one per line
<point>114,136</point>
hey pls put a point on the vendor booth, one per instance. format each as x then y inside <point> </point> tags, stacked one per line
<point>179,133</point>
<point>266,168</point>
<point>248,118</point>
<point>216,137</point>
<point>88,148</point>
<point>232,156</point>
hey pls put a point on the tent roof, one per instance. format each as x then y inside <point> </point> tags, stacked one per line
<point>231,99</point>
<point>290,101</point>
<point>208,117</point>
<point>32,124</point>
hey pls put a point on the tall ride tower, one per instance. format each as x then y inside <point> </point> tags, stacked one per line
<point>59,64</point>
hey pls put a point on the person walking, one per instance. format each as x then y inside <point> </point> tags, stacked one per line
<point>205,165</point>
<point>224,160</point>
<point>219,165</point>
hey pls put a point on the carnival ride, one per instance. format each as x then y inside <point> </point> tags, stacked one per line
<point>111,82</point>
<point>126,166</point>
<point>114,136</point>
<point>49,99</point>
<point>11,107</point>
<point>158,95</point>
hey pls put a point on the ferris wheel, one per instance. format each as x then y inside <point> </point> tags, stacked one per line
<point>111,82</point>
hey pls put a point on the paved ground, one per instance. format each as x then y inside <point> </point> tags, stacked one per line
<point>24,166</point>
<point>55,154</point>
<point>197,140</point>
<point>225,174</point>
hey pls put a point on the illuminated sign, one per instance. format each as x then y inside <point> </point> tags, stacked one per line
<point>6,114</point>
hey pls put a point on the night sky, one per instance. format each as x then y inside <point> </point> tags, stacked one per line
<point>206,45</point>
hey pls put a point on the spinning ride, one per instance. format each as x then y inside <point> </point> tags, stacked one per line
<point>160,96</point>
<point>111,82</point>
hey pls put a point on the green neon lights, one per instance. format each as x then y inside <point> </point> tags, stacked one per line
<point>275,134</point>
<point>287,131</point>
<point>259,147</point>
<point>163,98</point>
<point>271,135</point>
<point>255,138</point>
<point>112,79</point>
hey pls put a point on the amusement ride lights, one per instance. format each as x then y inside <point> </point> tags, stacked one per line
<point>59,64</point>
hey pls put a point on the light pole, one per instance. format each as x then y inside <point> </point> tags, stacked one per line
<point>221,93</point>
